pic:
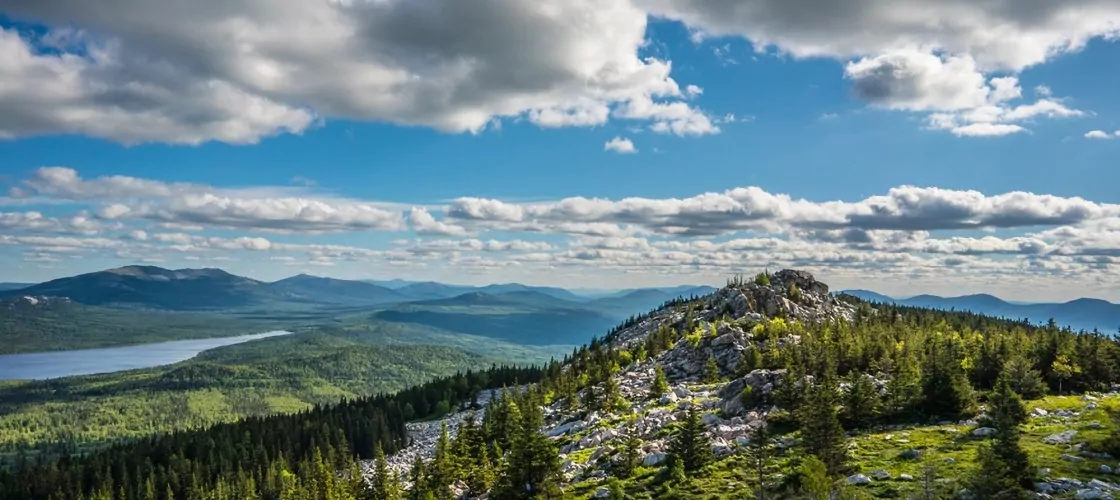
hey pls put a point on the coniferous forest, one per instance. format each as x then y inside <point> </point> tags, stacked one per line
<point>937,366</point>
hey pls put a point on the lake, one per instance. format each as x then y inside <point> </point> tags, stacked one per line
<point>44,365</point>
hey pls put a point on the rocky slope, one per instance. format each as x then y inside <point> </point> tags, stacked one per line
<point>587,441</point>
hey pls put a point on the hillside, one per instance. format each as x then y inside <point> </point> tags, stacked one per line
<point>1079,314</point>
<point>314,289</point>
<point>13,286</point>
<point>772,385</point>
<point>147,286</point>
<point>35,324</point>
<point>277,375</point>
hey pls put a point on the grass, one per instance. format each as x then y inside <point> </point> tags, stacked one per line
<point>953,453</point>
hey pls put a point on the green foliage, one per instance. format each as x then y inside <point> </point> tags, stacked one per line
<point>821,433</point>
<point>1007,414</point>
<point>711,371</point>
<point>691,444</point>
<point>861,402</point>
<point>794,293</point>
<point>762,279</point>
<point>816,484</point>
<point>749,360</point>
<point>1063,370</point>
<point>660,386</point>
<point>1024,379</point>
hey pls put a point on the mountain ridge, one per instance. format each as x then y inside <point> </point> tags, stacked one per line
<point>1079,314</point>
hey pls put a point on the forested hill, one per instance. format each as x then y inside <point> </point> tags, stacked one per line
<point>769,384</point>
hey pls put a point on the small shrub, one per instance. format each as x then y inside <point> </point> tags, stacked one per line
<point>762,279</point>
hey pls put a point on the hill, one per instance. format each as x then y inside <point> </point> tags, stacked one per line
<point>777,387</point>
<point>314,289</point>
<point>1079,314</point>
<point>13,286</point>
<point>35,324</point>
<point>148,286</point>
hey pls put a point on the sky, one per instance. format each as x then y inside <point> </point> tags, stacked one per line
<point>911,146</point>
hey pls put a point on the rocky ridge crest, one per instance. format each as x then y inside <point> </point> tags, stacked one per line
<point>589,440</point>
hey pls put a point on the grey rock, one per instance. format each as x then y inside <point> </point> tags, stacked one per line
<point>910,454</point>
<point>983,432</point>
<point>859,479</point>
<point>1060,438</point>
<point>1071,458</point>
<point>881,475</point>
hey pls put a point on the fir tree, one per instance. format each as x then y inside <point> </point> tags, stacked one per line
<point>821,433</point>
<point>816,483</point>
<point>749,360</point>
<point>1024,379</point>
<point>418,476</point>
<point>385,484</point>
<point>711,371</point>
<point>691,444</point>
<point>628,459</point>
<point>482,476</point>
<point>533,466</point>
<point>1004,463</point>
<point>441,472</point>
<point>861,402</point>
<point>660,386</point>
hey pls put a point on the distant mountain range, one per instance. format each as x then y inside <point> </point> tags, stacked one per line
<point>13,286</point>
<point>1080,314</point>
<point>192,289</point>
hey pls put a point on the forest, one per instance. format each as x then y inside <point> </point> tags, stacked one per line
<point>938,367</point>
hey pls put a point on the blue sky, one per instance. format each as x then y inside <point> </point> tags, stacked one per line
<point>620,143</point>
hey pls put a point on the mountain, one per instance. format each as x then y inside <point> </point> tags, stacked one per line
<point>431,290</point>
<point>1079,314</point>
<point>13,286</point>
<point>315,289</point>
<point>148,286</point>
<point>392,284</point>
<point>559,293</point>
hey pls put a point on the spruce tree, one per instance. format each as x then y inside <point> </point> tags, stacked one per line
<point>816,483</point>
<point>385,484</point>
<point>628,459</point>
<point>418,476</point>
<point>711,371</point>
<point>1024,379</point>
<point>821,433</point>
<point>533,467</point>
<point>749,361</point>
<point>1005,456</point>
<point>441,471</point>
<point>861,402</point>
<point>691,444</point>
<point>660,386</point>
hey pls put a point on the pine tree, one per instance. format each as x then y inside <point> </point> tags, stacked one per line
<point>660,386</point>
<point>418,476</point>
<point>611,399</point>
<point>441,472</point>
<point>861,402</point>
<point>749,361</point>
<point>385,484</point>
<point>628,459</point>
<point>533,467</point>
<point>1024,379</point>
<point>711,371</point>
<point>821,433</point>
<point>1007,414</point>
<point>816,483</point>
<point>691,444</point>
<point>481,477</point>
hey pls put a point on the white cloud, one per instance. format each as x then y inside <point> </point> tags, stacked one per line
<point>1099,134</point>
<point>997,35</point>
<point>266,209</point>
<point>424,223</point>
<point>961,99</point>
<point>250,69</point>
<point>620,145</point>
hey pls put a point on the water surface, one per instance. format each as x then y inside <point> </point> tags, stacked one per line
<point>45,365</point>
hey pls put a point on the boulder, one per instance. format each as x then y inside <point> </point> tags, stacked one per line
<point>654,459</point>
<point>881,475</point>
<point>905,477</point>
<point>983,432</point>
<point>1060,438</point>
<point>858,479</point>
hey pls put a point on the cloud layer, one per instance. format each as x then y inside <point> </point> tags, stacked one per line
<point>909,232</point>
<point>241,70</point>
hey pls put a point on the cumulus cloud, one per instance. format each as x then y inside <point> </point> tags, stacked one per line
<point>620,145</point>
<point>1100,134</point>
<point>710,214</point>
<point>36,222</point>
<point>997,35</point>
<point>424,223</point>
<point>962,100</point>
<point>274,210</point>
<point>248,69</point>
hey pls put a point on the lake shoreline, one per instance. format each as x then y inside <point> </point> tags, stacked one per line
<point>50,365</point>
